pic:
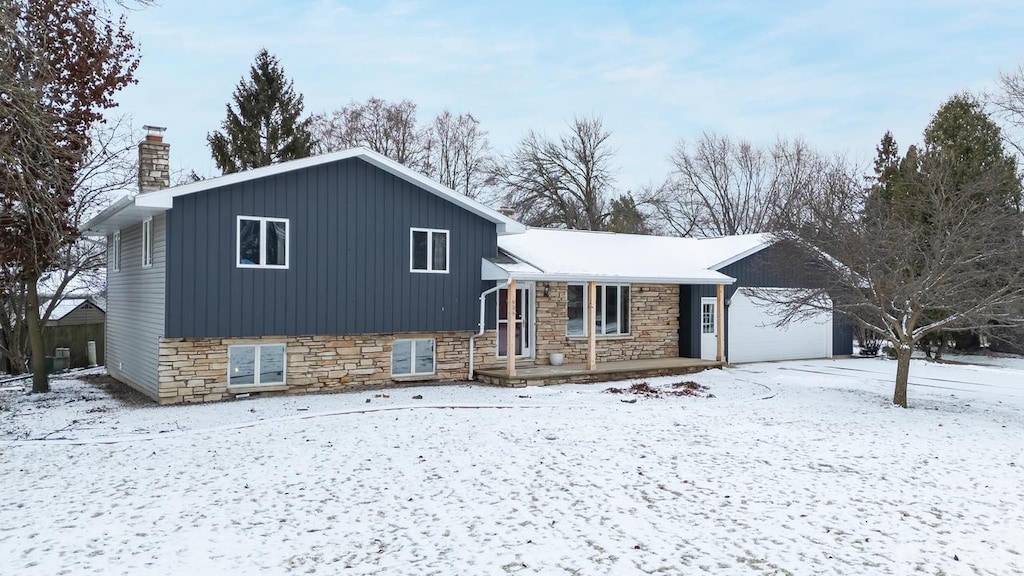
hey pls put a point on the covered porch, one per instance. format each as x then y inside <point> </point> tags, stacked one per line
<point>606,306</point>
<point>540,375</point>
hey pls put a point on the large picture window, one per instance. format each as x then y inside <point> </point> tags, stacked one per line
<point>262,242</point>
<point>412,357</point>
<point>612,310</point>
<point>256,365</point>
<point>147,242</point>
<point>428,250</point>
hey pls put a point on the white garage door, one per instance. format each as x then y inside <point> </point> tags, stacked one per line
<point>754,338</point>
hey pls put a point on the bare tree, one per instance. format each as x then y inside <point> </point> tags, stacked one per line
<point>934,258</point>
<point>564,182</point>
<point>720,186</point>
<point>389,128</point>
<point>108,166</point>
<point>61,62</point>
<point>1008,102</point>
<point>461,153</point>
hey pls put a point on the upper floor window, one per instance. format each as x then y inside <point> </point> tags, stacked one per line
<point>262,242</point>
<point>147,242</point>
<point>428,250</point>
<point>114,252</point>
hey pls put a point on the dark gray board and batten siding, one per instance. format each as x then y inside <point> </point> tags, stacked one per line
<point>348,270</point>
<point>760,269</point>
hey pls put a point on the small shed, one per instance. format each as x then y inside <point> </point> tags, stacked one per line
<point>73,323</point>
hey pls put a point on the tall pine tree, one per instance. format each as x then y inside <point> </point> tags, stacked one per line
<point>964,134</point>
<point>265,125</point>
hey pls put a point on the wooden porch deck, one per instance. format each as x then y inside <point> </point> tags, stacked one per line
<point>543,374</point>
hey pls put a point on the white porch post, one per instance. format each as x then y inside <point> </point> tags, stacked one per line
<point>720,321</point>
<point>592,326</point>
<point>510,329</point>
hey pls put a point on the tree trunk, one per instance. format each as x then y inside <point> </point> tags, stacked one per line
<point>903,354</point>
<point>40,381</point>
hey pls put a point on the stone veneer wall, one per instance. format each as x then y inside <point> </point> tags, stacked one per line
<point>654,328</point>
<point>195,370</point>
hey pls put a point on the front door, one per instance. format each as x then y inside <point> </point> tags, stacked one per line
<point>708,329</point>
<point>522,321</point>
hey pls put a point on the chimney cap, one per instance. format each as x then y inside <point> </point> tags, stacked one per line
<point>154,133</point>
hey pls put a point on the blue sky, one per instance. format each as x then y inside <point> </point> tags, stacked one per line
<point>838,74</point>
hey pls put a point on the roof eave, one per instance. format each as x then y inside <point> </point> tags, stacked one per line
<point>614,279</point>
<point>106,214</point>
<point>165,198</point>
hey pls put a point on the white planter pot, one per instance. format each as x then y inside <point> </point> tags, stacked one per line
<point>556,358</point>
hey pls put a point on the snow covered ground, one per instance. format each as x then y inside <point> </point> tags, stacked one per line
<point>791,468</point>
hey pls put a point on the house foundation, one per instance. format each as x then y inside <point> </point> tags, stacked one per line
<point>196,369</point>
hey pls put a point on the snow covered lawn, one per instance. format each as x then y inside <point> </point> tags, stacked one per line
<point>791,468</point>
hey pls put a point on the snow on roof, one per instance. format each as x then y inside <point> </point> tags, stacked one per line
<point>129,210</point>
<point>717,253</point>
<point>583,255</point>
<point>70,304</point>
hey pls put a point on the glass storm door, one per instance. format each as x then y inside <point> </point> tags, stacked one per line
<point>521,321</point>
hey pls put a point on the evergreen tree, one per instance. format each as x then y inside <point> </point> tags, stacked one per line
<point>964,134</point>
<point>265,125</point>
<point>625,217</point>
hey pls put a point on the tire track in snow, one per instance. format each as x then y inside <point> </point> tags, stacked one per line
<point>254,423</point>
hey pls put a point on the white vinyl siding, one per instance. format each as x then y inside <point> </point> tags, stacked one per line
<point>135,308</point>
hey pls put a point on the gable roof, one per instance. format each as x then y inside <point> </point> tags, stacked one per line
<point>70,304</point>
<point>568,255</point>
<point>133,209</point>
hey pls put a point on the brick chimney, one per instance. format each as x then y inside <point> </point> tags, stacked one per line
<point>154,160</point>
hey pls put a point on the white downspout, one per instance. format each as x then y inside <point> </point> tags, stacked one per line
<point>472,339</point>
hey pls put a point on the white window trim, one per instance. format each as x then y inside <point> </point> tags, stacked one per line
<point>256,366</point>
<point>586,313</point>
<point>263,242</point>
<point>147,242</point>
<point>412,359</point>
<point>430,250</point>
<point>114,252</point>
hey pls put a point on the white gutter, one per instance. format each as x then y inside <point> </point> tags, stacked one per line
<point>712,279</point>
<point>472,339</point>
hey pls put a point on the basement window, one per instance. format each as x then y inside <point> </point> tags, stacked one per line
<point>412,357</point>
<point>262,242</point>
<point>256,365</point>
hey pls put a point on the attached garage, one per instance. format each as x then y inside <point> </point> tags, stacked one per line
<point>757,263</point>
<point>753,336</point>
